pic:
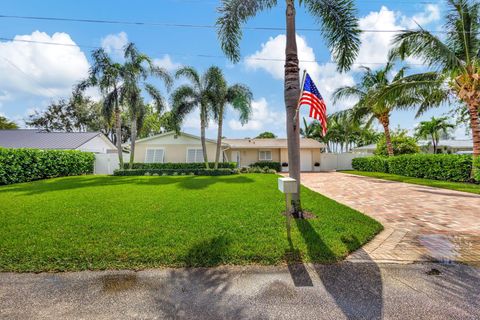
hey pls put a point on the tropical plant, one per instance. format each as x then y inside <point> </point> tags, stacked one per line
<point>6,124</point>
<point>373,102</point>
<point>107,76</point>
<point>433,129</point>
<point>221,95</point>
<point>401,143</point>
<point>340,30</point>
<point>456,56</point>
<point>267,135</point>
<point>198,94</point>
<point>138,67</point>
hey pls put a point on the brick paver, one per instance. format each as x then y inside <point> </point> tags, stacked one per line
<point>421,223</point>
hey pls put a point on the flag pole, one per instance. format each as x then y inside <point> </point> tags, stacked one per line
<point>300,96</point>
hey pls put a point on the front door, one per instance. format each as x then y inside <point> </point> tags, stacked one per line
<point>236,157</point>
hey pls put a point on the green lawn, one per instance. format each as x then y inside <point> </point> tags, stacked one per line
<point>104,222</point>
<point>459,186</point>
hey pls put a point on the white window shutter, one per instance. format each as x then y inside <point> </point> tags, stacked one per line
<point>149,156</point>
<point>191,154</point>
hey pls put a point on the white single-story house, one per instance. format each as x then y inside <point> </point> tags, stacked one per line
<point>446,146</point>
<point>95,142</point>
<point>187,148</point>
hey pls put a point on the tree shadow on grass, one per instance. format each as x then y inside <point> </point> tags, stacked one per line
<point>70,183</point>
<point>203,293</point>
<point>355,287</point>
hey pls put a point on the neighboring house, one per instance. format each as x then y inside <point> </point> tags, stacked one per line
<point>446,146</point>
<point>183,147</point>
<point>95,142</point>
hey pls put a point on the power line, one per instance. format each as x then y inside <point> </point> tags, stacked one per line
<point>186,25</point>
<point>186,55</point>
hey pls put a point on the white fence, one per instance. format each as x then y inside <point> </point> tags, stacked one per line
<point>106,163</point>
<point>338,161</point>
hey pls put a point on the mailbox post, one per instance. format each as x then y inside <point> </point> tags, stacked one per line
<point>288,186</point>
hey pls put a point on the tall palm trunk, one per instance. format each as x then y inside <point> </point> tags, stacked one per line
<point>292,94</point>
<point>118,133</point>
<point>385,121</point>
<point>219,137</point>
<point>475,124</point>
<point>202,136</point>
<point>434,144</point>
<point>133,137</point>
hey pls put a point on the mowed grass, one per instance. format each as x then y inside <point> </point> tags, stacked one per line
<point>105,222</point>
<point>458,186</point>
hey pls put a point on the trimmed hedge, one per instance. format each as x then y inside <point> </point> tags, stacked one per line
<point>370,164</point>
<point>170,165</point>
<point>22,165</point>
<point>447,167</point>
<point>476,165</point>
<point>277,166</point>
<point>175,172</point>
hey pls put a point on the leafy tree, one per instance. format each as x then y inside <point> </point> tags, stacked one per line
<point>198,94</point>
<point>268,135</point>
<point>155,123</point>
<point>6,124</point>
<point>401,144</point>
<point>456,57</point>
<point>374,103</point>
<point>433,130</point>
<point>238,96</point>
<point>340,30</point>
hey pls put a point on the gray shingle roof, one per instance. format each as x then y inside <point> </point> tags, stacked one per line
<point>34,138</point>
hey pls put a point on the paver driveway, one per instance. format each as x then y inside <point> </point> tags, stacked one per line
<point>421,223</point>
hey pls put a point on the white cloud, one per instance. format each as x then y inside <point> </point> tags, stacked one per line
<point>38,69</point>
<point>325,75</point>
<point>376,45</point>
<point>167,63</point>
<point>262,118</point>
<point>114,43</point>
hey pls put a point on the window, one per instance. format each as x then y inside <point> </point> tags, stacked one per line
<point>194,155</point>
<point>265,155</point>
<point>154,156</point>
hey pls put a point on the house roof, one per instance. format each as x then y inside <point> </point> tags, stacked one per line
<point>38,139</point>
<point>169,134</point>
<point>270,143</point>
<point>459,144</point>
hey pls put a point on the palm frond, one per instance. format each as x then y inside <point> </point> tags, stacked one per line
<point>184,100</point>
<point>339,27</point>
<point>240,97</point>
<point>191,74</point>
<point>234,13</point>
<point>157,97</point>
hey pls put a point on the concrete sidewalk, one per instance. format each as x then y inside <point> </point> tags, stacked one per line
<point>339,291</point>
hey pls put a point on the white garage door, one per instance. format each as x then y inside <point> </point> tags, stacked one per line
<point>305,160</point>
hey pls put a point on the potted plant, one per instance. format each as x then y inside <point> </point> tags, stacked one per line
<point>284,167</point>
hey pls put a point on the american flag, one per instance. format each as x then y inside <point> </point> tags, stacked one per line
<point>312,97</point>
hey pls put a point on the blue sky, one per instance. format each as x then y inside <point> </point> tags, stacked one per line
<point>32,75</point>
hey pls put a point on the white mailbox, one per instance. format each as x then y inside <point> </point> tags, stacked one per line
<point>287,185</point>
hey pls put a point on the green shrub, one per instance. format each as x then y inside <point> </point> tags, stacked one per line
<point>447,167</point>
<point>277,166</point>
<point>22,165</point>
<point>371,164</point>
<point>190,166</point>
<point>401,144</point>
<point>476,171</point>
<point>175,172</point>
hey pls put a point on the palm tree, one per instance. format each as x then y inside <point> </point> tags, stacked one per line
<point>340,30</point>
<point>433,129</point>
<point>238,96</point>
<point>456,56</point>
<point>106,75</point>
<point>374,102</point>
<point>135,71</point>
<point>198,94</point>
